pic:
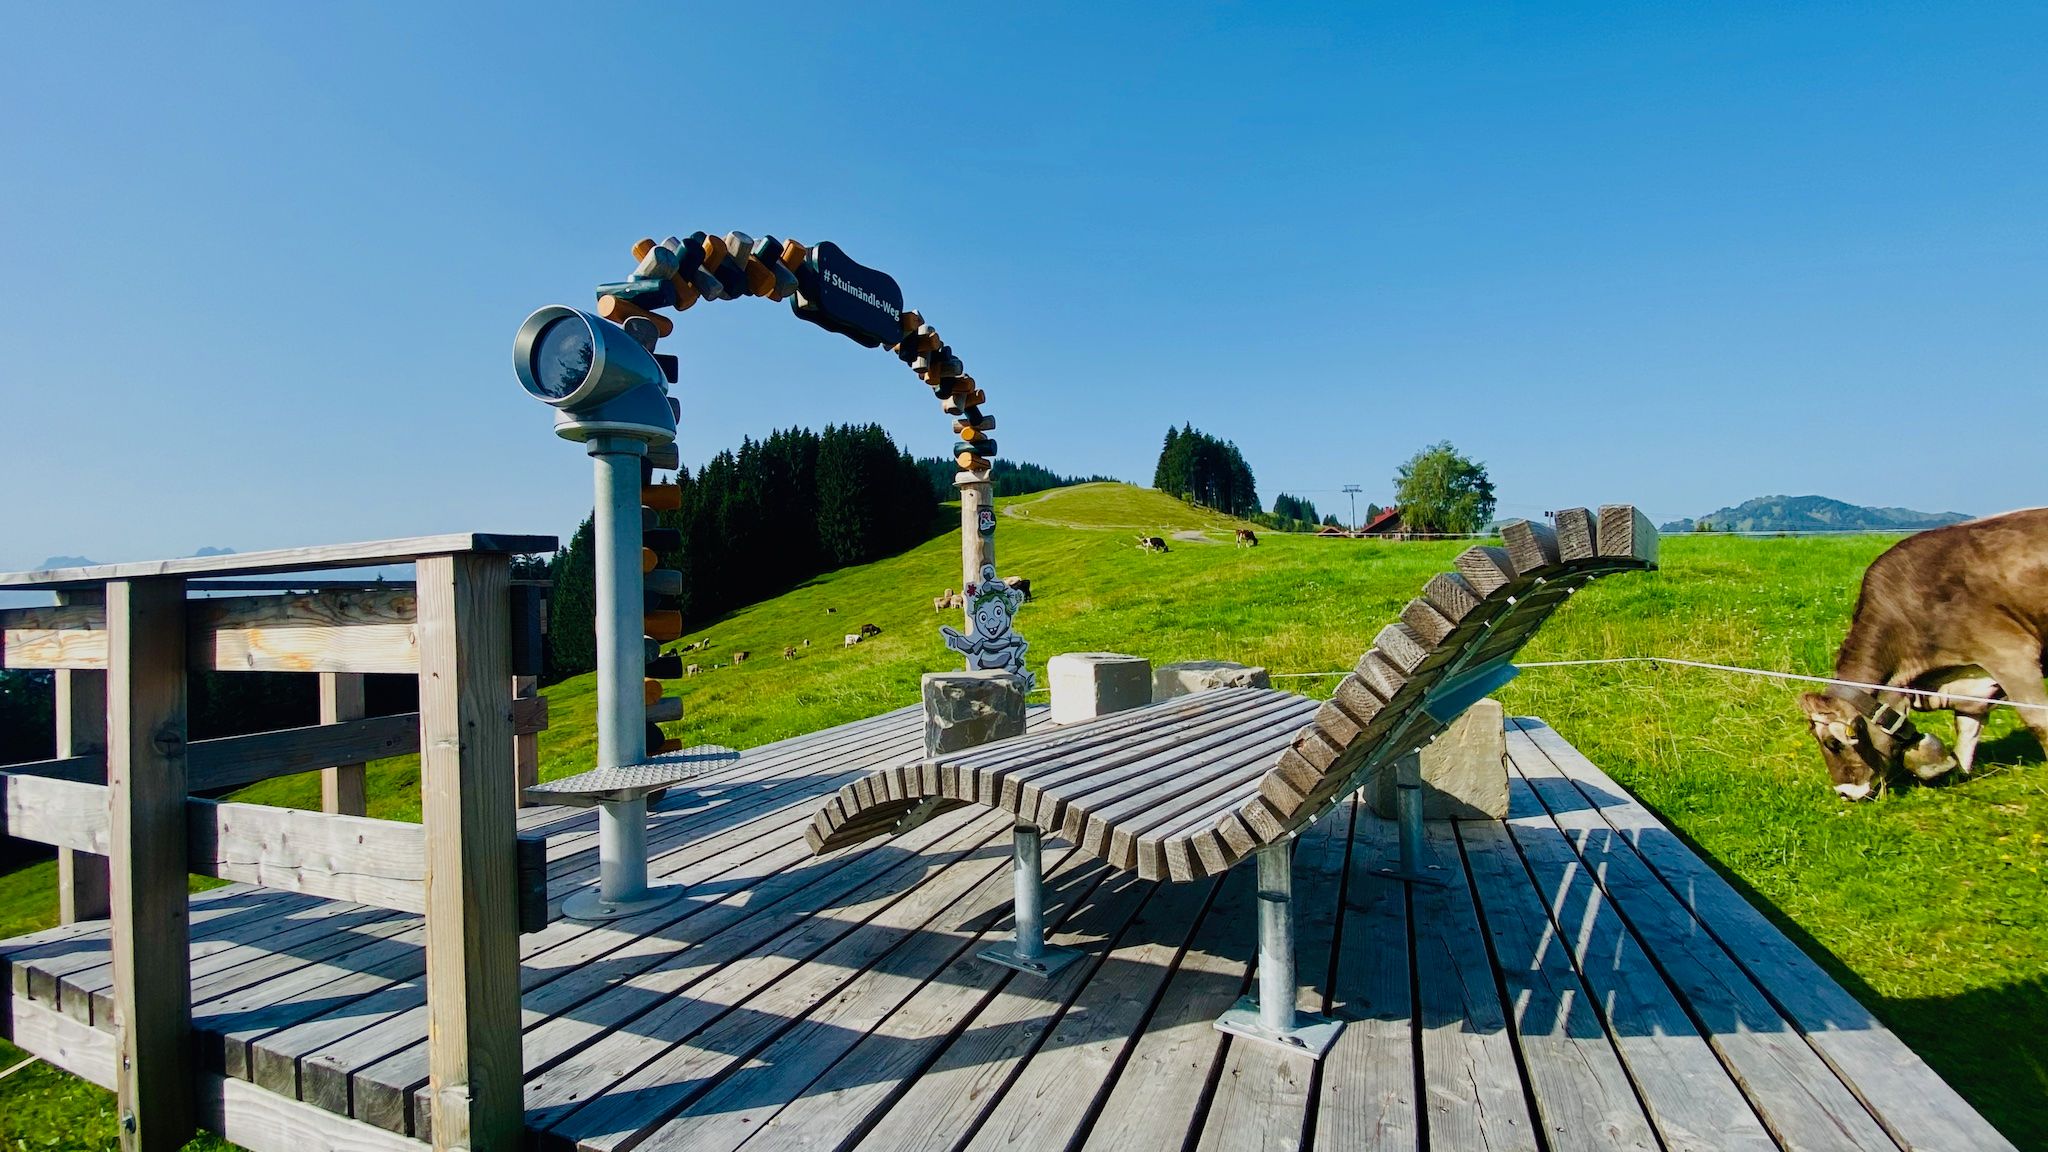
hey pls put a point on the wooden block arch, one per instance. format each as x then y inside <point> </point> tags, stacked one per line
<point>823,286</point>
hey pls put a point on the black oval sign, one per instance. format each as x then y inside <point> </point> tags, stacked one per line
<point>835,292</point>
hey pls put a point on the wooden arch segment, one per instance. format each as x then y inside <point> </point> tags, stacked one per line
<point>1188,787</point>
<point>824,286</point>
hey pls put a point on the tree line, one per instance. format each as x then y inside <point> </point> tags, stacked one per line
<point>755,523</point>
<point>1009,478</point>
<point>1206,472</point>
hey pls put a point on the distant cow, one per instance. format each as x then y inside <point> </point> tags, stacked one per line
<point>1152,544</point>
<point>947,599</point>
<point>693,669</point>
<point>1246,538</point>
<point>1020,583</point>
<point>852,638</point>
<point>830,611</point>
<point>867,630</point>
<point>807,643</point>
<point>789,653</point>
<point>1959,611</point>
<point>741,657</point>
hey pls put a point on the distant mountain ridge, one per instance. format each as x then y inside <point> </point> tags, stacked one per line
<point>1812,514</point>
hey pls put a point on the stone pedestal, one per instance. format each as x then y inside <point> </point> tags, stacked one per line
<point>963,709</point>
<point>1089,684</point>
<point>1201,675</point>
<point>1464,772</point>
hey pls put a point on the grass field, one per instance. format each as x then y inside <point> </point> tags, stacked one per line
<point>1929,903</point>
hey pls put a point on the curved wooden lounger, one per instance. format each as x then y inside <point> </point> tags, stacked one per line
<point>1188,787</point>
<point>1185,788</point>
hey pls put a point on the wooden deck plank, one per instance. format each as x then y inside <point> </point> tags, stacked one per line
<point>1164,1084</point>
<point>1472,1087</point>
<point>751,1002</point>
<point>1367,1101</point>
<point>1056,1095</point>
<point>791,1001</point>
<point>1692,1101</point>
<point>1801,1101</point>
<point>1869,1057</point>
<point>1263,1097</point>
<point>1582,1096</point>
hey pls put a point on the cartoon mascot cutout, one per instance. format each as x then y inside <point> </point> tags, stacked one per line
<point>993,644</point>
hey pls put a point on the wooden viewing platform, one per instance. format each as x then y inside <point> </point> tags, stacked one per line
<point>1584,981</point>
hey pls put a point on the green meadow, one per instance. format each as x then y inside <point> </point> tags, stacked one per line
<point>1928,903</point>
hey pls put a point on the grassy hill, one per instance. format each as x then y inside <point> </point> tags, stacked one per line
<point>1929,904</point>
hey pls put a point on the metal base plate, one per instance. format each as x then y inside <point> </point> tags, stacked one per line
<point>1050,959</point>
<point>1311,1035</point>
<point>1412,877</point>
<point>588,905</point>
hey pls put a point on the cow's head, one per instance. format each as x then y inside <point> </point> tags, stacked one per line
<point>1861,756</point>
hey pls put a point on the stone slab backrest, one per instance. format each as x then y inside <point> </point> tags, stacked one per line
<point>1466,620</point>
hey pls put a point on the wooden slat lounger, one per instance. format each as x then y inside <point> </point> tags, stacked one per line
<point>1187,787</point>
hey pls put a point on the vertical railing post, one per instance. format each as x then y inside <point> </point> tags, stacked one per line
<point>81,731</point>
<point>342,786</point>
<point>473,1029</point>
<point>154,1077</point>
<point>526,745</point>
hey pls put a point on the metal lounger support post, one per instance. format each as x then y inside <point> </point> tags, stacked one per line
<point>1028,952</point>
<point>1445,704</point>
<point>1271,1016</point>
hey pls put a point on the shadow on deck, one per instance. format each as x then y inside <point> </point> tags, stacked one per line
<point>1584,980</point>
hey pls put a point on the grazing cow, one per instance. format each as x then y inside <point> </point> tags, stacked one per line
<point>1246,538</point>
<point>852,638</point>
<point>1020,583</point>
<point>943,601</point>
<point>741,657</point>
<point>807,643</point>
<point>867,630</point>
<point>693,669</point>
<point>830,611</point>
<point>1152,544</point>
<point>1958,611</point>
<point>789,653</point>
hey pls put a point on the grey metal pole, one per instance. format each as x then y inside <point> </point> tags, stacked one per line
<point>621,661</point>
<point>1027,880</point>
<point>1276,937</point>
<point>1408,811</point>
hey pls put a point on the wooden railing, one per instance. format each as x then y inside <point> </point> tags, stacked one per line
<point>117,800</point>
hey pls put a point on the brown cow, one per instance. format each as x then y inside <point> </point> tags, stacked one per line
<point>741,657</point>
<point>1019,583</point>
<point>1961,611</point>
<point>1246,538</point>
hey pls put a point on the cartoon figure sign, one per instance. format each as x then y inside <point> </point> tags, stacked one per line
<point>985,521</point>
<point>992,644</point>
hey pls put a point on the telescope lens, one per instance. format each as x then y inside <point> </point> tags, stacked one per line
<point>562,356</point>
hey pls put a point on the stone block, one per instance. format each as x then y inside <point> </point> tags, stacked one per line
<point>963,709</point>
<point>1464,771</point>
<point>1089,684</point>
<point>1201,675</point>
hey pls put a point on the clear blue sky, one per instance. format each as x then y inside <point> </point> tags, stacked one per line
<point>260,265</point>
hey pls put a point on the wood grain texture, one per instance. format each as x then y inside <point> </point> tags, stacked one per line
<point>82,892</point>
<point>1575,535</point>
<point>342,786</point>
<point>146,732</point>
<point>467,809</point>
<point>312,559</point>
<point>346,630</point>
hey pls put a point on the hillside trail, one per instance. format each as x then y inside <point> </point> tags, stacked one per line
<point>1021,511</point>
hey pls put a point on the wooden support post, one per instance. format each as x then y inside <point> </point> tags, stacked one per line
<point>525,745</point>
<point>155,1084</point>
<point>81,731</point>
<point>473,1026</point>
<point>342,786</point>
<point>977,548</point>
